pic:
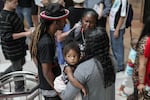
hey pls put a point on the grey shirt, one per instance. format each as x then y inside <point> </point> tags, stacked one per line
<point>107,5</point>
<point>88,74</point>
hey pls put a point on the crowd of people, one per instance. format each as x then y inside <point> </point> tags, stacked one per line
<point>71,48</point>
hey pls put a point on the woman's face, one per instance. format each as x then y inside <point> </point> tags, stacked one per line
<point>88,22</point>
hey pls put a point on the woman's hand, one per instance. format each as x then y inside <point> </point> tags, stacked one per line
<point>141,87</point>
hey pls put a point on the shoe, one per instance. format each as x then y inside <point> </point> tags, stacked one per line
<point>120,70</point>
<point>122,93</point>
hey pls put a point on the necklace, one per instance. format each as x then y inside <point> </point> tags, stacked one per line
<point>83,38</point>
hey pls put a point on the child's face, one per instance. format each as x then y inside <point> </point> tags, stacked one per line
<point>72,57</point>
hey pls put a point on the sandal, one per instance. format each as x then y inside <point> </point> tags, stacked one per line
<point>122,93</point>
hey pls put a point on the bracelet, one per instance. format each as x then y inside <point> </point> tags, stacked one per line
<point>141,76</point>
<point>141,83</point>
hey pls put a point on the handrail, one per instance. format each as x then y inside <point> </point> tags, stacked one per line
<point>17,73</point>
<point>12,77</point>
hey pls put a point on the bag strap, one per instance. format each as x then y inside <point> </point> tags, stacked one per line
<point>131,37</point>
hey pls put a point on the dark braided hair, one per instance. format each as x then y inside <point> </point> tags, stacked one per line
<point>97,47</point>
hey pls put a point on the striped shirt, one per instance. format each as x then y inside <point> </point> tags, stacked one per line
<point>10,23</point>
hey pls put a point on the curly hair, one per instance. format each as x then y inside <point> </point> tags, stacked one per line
<point>97,46</point>
<point>71,45</point>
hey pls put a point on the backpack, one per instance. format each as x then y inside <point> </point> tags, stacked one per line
<point>129,17</point>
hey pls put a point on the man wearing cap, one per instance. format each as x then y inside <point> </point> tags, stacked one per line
<point>53,19</point>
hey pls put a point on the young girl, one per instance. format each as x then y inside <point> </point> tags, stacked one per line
<point>71,52</point>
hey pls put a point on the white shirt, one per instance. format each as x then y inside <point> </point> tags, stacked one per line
<point>114,10</point>
<point>38,3</point>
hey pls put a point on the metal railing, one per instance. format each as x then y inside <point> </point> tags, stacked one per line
<point>31,85</point>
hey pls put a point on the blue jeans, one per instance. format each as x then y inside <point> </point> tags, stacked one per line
<point>118,48</point>
<point>25,12</point>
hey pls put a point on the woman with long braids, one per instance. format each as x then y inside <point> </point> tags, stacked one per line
<point>88,21</point>
<point>43,47</point>
<point>97,70</point>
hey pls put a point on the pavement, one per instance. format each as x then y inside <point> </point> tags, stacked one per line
<point>30,66</point>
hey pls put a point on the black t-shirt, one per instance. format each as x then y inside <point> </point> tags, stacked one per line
<point>25,3</point>
<point>45,54</point>
<point>1,4</point>
<point>75,15</point>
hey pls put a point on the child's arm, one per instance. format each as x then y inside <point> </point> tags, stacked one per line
<point>73,81</point>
